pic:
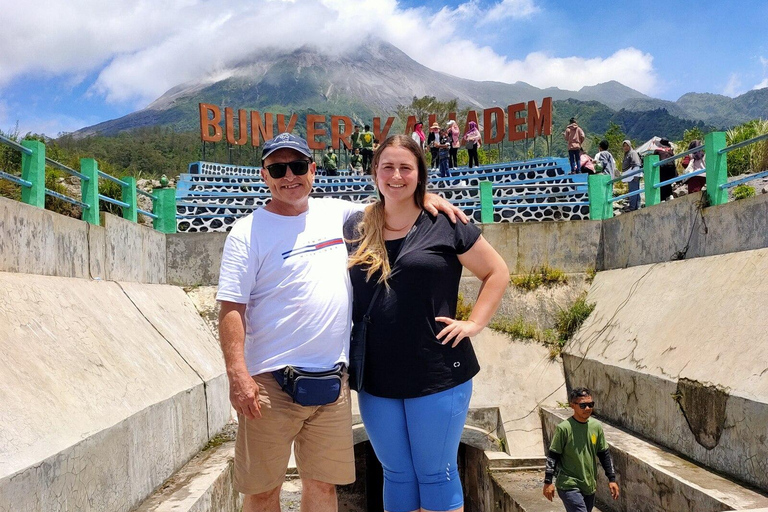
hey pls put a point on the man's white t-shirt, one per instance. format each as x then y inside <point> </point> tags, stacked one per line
<point>292,274</point>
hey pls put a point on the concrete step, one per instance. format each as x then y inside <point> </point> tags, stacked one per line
<point>204,484</point>
<point>522,492</point>
<point>654,479</point>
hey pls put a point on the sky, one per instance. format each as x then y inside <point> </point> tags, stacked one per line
<point>69,64</point>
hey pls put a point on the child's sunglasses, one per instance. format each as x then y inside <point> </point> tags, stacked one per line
<point>298,168</point>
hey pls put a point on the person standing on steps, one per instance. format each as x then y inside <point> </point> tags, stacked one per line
<point>574,137</point>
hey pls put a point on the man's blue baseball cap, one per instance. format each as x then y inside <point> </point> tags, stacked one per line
<point>286,141</point>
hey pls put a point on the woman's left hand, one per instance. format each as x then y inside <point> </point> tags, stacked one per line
<point>456,330</point>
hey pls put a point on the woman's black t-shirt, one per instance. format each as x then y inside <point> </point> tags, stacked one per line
<point>404,358</point>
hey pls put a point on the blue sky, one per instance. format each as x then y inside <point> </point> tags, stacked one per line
<point>62,69</point>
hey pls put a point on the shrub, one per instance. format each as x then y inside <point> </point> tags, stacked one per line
<point>539,276</point>
<point>463,309</point>
<point>743,192</point>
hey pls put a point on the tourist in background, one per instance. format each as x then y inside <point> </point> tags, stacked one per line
<point>667,171</point>
<point>419,361</point>
<point>604,161</point>
<point>695,162</point>
<point>472,139</point>
<point>433,141</point>
<point>455,134</point>
<point>629,164</point>
<point>330,162</point>
<point>585,163</point>
<point>366,139</point>
<point>356,162</point>
<point>357,143</point>
<point>444,153</point>
<point>418,134</point>
<point>574,137</point>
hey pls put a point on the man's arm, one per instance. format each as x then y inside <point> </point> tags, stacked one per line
<point>243,391</point>
<point>549,473</point>
<point>610,472</point>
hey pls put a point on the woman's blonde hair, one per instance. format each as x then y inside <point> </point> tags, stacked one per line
<point>371,252</point>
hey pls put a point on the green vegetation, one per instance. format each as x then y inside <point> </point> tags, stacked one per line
<point>752,158</point>
<point>539,276</point>
<point>743,192</point>
<point>591,272</point>
<point>463,309</point>
<point>567,323</point>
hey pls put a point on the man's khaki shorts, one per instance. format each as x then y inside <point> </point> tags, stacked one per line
<point>322,438</point>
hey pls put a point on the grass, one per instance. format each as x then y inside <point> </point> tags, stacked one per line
<point>743,192</point>
<point>591,272</point>
<point>539,276</point>
<point>567,323</point>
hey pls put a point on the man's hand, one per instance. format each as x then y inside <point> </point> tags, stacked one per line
<point>244,395</point>
<point>549,491</point>
<point>434,203</point>
<point>614,487</point>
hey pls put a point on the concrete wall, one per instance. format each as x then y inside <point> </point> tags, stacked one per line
<point>194,258</point>
<point>108,388</point>
<point>37,241</point>
<point>569,246</point>
<point>677,353</point>
<point>660,233</point>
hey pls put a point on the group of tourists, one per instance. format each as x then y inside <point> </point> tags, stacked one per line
<point>444,143</point>
<point>632,163</point>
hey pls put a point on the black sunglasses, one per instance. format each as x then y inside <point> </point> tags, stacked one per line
<point>584,405</point>
<point>298,168</point>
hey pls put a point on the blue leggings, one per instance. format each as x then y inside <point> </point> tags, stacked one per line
<point>417,441</point>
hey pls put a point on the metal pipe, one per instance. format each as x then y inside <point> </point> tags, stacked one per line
<point>680,155</point>
<point>743,143</point>
<point>114,201</point>
<point>628,194</point>
<point>633,173</point>
<point>113,179</point>
<point>82,205</point>
<point>579,203</point>
<point>15,145</point>
<point>735,183</point>
<point>680,178</point>
<point>146,194</point>
<point>54,163</point>
<point>15,179</point>
<point>150,215</point>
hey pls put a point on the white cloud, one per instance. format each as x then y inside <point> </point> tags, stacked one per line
<point>144,47</point>
<point>733,87</point>
<point>762,84</point>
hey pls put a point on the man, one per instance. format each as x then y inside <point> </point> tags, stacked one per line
<point>286,301</point>
<point>357,142</point>
<point>629,167</point>
<point>356,162</point>
<point>367,149</point>
<point>668,170</point>
<point>330,162</point>
<point>574,137</point>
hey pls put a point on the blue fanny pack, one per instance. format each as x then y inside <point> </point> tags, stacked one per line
<point>311,387</point>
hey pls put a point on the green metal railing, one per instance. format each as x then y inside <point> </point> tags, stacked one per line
<point>33,190</point>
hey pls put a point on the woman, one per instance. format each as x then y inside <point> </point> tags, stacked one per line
<point>455,134</point>
<point>695,163</point>
<point>586,164</point>
<point>472,138</point>
<point>418,134</point>
<point>433,142</point>
<point>419,360</point>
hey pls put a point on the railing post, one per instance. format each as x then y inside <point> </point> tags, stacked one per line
<point>651,177</point>
<point>129,196</point>
<point>33,170</point>
<point>164,206</point>
<point>717,167</point>
<point>599,191</point>
<point>89,190</point>
<point>486,202</point>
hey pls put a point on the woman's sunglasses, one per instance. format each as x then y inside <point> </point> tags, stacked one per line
<point>298,168</point>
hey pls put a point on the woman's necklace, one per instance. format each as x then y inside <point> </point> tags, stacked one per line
<point>390,228</point>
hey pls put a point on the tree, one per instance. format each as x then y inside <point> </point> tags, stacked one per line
<point>422,107</point>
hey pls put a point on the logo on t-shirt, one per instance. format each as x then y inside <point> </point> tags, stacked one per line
<point>594,438</point>
<point>312,247</point>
